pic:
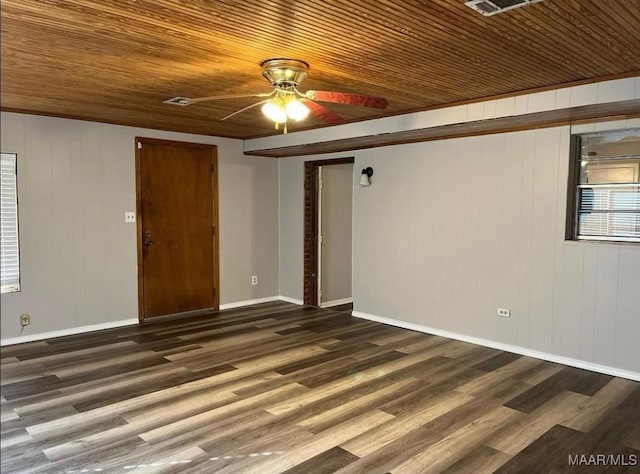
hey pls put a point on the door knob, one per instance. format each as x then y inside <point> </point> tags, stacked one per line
<point>147,242</point>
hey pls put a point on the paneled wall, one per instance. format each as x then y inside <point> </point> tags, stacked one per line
<point>451,230</point>
<point>78,257</point>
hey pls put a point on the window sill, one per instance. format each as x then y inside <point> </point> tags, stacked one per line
<point>601,241</point>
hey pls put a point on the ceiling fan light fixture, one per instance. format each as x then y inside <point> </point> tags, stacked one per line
<point>296,110</point>
<point>284,71</point>
<point>285,107</point>
<point>274,111</point>
<point>285,102</point>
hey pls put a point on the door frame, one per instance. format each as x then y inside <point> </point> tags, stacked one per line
<point>215,231</point>
<point>311,212</point>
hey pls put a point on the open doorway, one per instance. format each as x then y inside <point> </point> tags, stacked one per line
<point>328,239</point>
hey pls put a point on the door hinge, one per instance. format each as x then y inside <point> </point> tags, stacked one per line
<point>139,145</point>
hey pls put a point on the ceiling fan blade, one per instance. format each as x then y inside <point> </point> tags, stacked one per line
<point>243,109</point>
<point>349,99</point>
<point>323,113</point>
<point>184,101</point>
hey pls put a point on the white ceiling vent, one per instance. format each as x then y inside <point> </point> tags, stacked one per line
<point>491,7</point>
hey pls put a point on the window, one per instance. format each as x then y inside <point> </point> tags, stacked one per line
<point>604,186</point>
<point>9,245</point>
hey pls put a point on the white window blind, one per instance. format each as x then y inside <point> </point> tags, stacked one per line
<point>608,187</point>
<point>9,251</point>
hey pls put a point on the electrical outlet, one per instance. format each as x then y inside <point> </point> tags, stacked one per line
<point>129,217</point>
<point>25,319</point>
<point>504,312</point>
<point>254,280</point>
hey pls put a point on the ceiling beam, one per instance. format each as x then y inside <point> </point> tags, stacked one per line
<point>552,118</point>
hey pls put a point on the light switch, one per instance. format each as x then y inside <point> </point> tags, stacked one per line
<point>129,217</point>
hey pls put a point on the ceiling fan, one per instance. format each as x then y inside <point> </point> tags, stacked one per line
<point>285,102</point>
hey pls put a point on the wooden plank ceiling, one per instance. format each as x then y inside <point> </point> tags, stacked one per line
<point>116,61</point>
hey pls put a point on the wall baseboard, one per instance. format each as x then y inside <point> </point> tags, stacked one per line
<point>580,364</point>
<point>291,300</point>
<point>239,304</point>
<point>67,332</point>
<point>128,322</point>
<point>268,299</point>
<point>329,304</point>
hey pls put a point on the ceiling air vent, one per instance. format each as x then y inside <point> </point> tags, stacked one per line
<point>178,101</point>
<point>491,7</point>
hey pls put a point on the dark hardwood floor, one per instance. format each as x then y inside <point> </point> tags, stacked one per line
<point>343,308</point>
<point>283,388</point>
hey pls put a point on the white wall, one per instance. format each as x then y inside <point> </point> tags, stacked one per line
<point>450,230</point>
<point>478,223</point>
<point>291,226</point>
<point>78,257</point>
<point>336,222</point>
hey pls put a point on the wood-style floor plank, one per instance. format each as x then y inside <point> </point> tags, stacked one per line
<point>411,419</point>
<point>277,387</point>
<point>455,446</point>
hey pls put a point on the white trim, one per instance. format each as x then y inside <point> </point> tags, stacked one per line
<point>129,322</point>
<point>581,364</point>
<point>291,300</point>
<point>67,332</point>
<point>239,304</point>
<point>268,299</point>
<point>329,304</point>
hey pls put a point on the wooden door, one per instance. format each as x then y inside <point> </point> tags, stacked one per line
<point>177,227</point>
